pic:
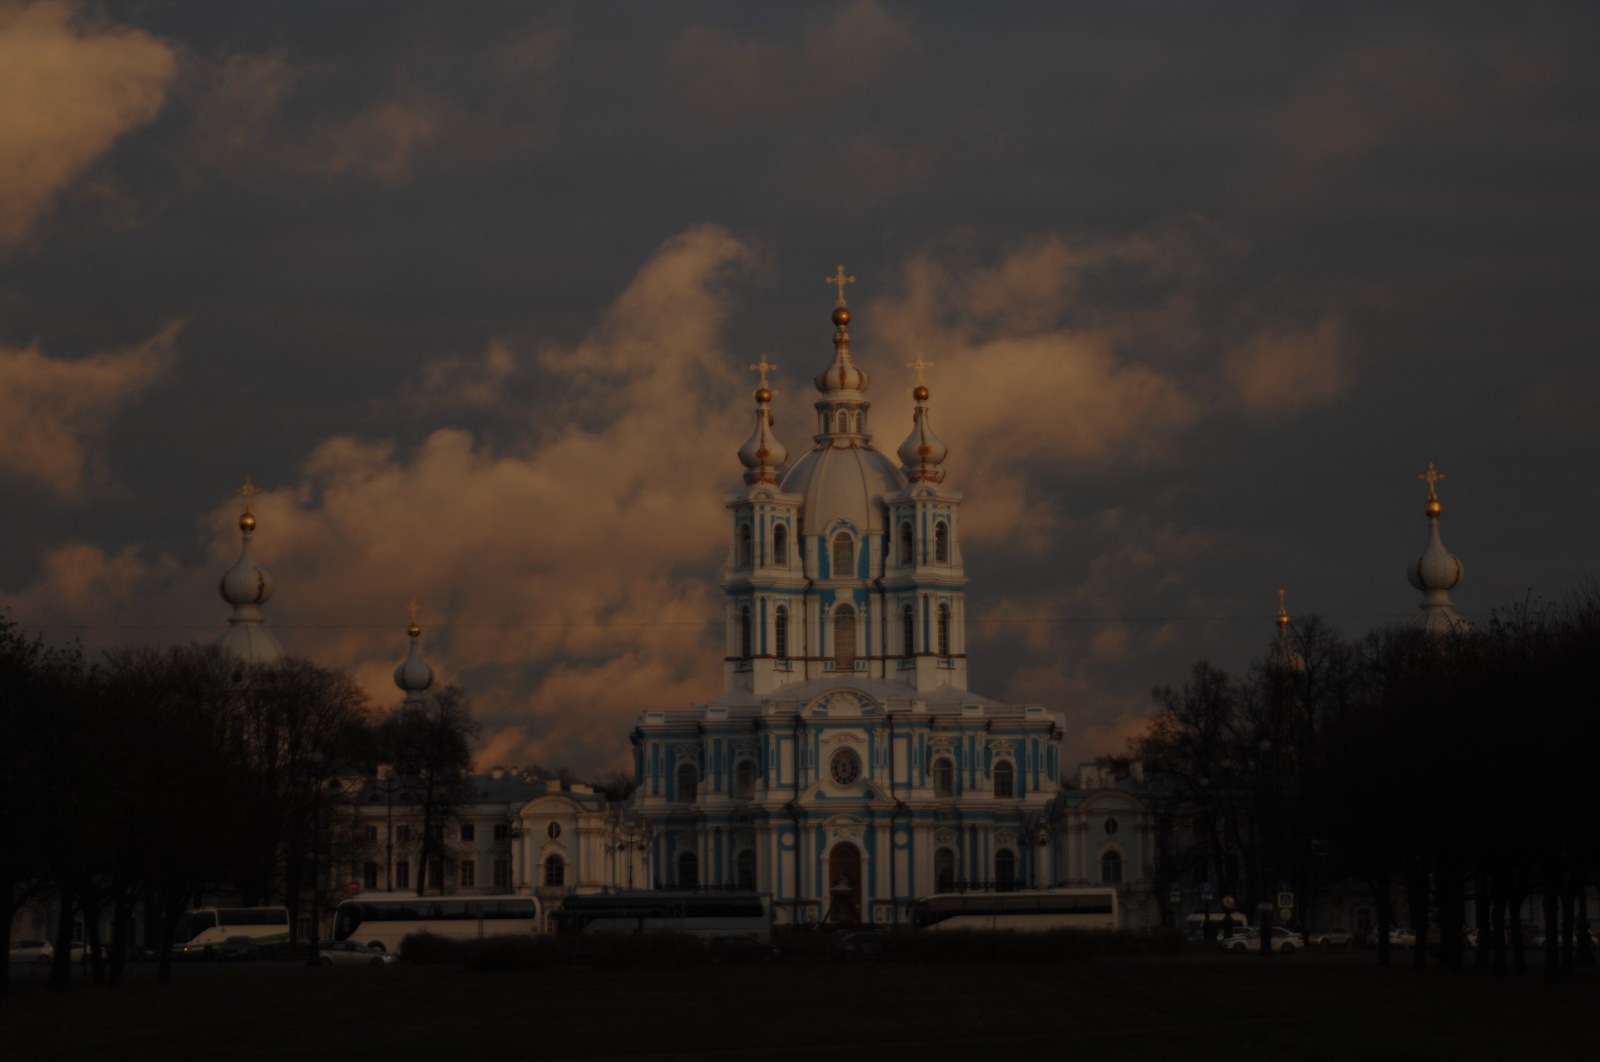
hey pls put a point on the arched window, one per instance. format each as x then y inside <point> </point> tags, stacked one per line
<point>944,630</point>
<point>744,779</point>
<point>780,546</point>
<point>907,545</point>
<point>844,638</point>
<point>688,779</point>
<point>908,631</point>
<point>1005,870</point>
<point>944,870</point>
<point>1005,779</point>
<point>688,871</point>
<point>844,555</point>
<point>780,632</point>
<point>741,549</point>
<point>744,870</point>
<point>555,870</point>
<point>941,543</point>
<point>1111,868</point>
<point>744,633</point>
<point>944,777</point>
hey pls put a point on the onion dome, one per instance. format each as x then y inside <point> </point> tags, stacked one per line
<point>762,454</point>
<point>1437,571</point>
<point>922,453</point>
<point>842,377</point>
<point>842,477</point>
<point>1283,656</point>
<point>247,586</point>
<point>413,676</point>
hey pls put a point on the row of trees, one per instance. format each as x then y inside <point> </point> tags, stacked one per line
<point>1456,767</point>
<point>137,784</point>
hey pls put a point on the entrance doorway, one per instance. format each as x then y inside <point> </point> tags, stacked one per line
<point>844,883</point>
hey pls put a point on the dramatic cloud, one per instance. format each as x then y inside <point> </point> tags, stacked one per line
<point>69,87</point>
<point>563,580</point>
<point>55,413</point>
<point>261,110</point>
<point>1364,98</point>
<point>725,79</point>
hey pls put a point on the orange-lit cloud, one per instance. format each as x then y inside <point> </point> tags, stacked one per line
<point>55,413</point>
<point>724,79</point>
<point>69,87</point>
<point>242,121</point>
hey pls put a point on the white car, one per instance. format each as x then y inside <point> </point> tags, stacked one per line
<point>1333,938</point>
<point>1284,941</point>
<point>32,950</point>
<point>349,953</point>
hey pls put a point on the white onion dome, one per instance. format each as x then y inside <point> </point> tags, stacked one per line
<point>762,454</point>
<point>247,586</point>
<point>922,453</point>
<point>1436,572</point>
<point>842,376</point>
<point>413,676</point>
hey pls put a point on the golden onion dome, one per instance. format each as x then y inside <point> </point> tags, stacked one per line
<point>247,521</point>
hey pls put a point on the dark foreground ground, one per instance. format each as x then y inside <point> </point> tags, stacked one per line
<point>1193,1006</point>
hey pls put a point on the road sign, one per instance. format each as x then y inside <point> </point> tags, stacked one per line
<point>1205,891</point>
<point>1285,913</point>
<point>1285,899</point>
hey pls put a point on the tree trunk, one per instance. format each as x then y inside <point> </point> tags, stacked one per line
<point>61,970</point>
<point>1497,929</point>
<point>1568,900</point>
<point>1381,894</point>
<point>1552,929</point>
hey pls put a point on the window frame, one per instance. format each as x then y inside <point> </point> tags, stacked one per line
<point>944,776</point>
<point>1007,771</point>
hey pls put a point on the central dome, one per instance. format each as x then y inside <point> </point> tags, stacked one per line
<point>843,483</point>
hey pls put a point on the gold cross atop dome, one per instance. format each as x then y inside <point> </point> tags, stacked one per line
<point>763,367</point>
<point>411,607</point>
<point>248,491</point>
<point>1432,475</point>
<point>839,280</point>
<point>919,365</point>
<point>1283,609</point>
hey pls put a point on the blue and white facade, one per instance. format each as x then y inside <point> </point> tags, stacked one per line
<point>846,768</point>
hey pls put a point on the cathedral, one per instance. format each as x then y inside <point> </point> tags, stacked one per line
<point>846,768</point>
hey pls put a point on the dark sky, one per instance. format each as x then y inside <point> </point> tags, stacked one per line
<point>471,289</point>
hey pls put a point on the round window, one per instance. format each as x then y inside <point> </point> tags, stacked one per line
<point>845,767</point>
<point>1111,826</point>
<point>553,830</point>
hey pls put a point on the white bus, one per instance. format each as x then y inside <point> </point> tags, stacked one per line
<point>1045,909</point>
<point>698,914</point>
<point>383,920</point>
<point>207,927</point>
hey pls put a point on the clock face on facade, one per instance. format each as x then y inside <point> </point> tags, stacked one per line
<point>845,767</point>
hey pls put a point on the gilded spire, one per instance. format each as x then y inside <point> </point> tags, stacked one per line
<point>923,452</point>
<point>412,607</point>
<point>1433,476</point>
<point>762,454</point>
<point>247,519</point>
<point>1283,610</point>
<point>839,280</point>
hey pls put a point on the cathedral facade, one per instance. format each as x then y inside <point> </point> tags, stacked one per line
<point>845,768</point>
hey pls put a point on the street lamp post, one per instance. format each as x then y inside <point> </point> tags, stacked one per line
<point>315,761</point>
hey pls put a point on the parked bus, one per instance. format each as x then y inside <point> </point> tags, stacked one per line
<point>206,928</point>
<point>383,920</point>
<point>699,914</point>
<point>1046,909</point>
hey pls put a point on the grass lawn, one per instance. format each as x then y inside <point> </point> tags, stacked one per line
<point>1189,1006</point>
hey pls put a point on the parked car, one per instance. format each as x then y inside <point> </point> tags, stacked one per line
<point>1284,941</point>
<point>1332,938</point>
<point>31,950</point>
<point>241,948</point>
<point>350,953</point>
